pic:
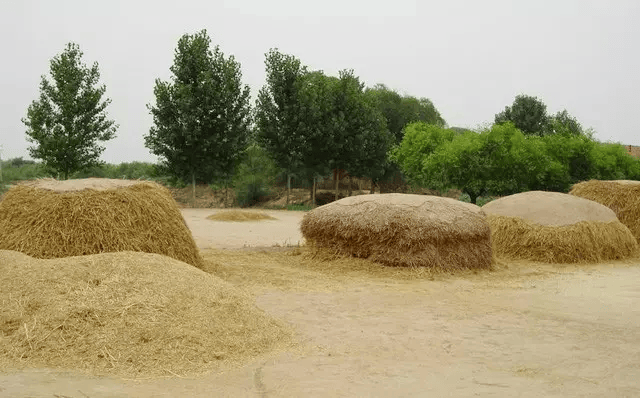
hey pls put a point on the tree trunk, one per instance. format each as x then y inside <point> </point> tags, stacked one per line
<point>313,192</point>
<point>350,187</point>
<point>193,185</point>
<point>337,179</point>
<point>288,187</point>
<point>373,188</point>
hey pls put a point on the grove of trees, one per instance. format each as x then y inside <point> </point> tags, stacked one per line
<point>306,124</point>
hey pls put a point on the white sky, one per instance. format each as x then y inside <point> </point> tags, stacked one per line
<point>470,57</point>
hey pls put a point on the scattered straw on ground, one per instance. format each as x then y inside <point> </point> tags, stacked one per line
<point>54,219</point>
<point>403,230</point>
<point>557,228</point>
<point>622,196</point>
<point>127,314</point>
<point>239,215</point>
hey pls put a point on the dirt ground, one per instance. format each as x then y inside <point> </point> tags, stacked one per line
<point>525,330</point>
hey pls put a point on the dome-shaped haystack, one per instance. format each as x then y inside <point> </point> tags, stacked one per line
<point>403,230</point>
<point>621,196</point>
<point>52,219</point>
<point>557,228</point>
<point>127,314</point>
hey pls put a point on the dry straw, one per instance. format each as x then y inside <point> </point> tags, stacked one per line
<point>557,228</point>
<point>53,219</point>
<point>403,230</point>
<point>623,197</point>
<point>239,215</point>
<point>129,314</point>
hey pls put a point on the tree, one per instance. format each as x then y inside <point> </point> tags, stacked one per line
<point>563,123</point>
<point>528,114</point>
<point>360,137</point>
<point>420,140</point>
<point>401,110</point>
<point>279,112</point>
<point>499,161</point>
<point>69,119</point>
<point>202,116</point>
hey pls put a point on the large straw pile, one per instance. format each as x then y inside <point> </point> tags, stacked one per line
<point>53,219</point>
<point>623,197</point>
<point>403,230</point>
<point>128,314</point>
<point>557,228</point>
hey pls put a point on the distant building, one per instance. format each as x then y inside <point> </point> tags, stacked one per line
<point>633,151</point>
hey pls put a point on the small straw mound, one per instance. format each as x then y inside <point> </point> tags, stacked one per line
<point>557,228</point>
<point>403,230</point>
<point>53,219</point>
<point>622,196</point>
<point>239,215</point>
<point>128,314</point>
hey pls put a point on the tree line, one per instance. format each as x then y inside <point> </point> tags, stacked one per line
<point>307,123</point>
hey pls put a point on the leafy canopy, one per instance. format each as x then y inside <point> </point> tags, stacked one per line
<point>201,118</point>
<point>69,119</point>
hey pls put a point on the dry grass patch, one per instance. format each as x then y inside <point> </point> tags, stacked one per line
<point>623,197</point>
<point>54,219</point>
<point>127,314</point>
<point>239,215</point>
<point>308,268</point>
<point>403,230</point>
<point>557,228</point>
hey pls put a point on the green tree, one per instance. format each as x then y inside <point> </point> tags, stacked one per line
<point>280,113</point>
<point>360,139</point>
<point>401,110</point>
<point>202,116</point>
<point>420,140</point>
<point>528,114</point>
<point>255,175</point>
<point>563,123</point>
<point>69,119</point>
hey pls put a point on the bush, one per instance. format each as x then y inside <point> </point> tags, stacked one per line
<point>254,177</point>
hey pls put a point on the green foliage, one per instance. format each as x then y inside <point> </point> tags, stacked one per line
<point>498,161</point>
<point>17,169</point>
<point>69,119</point>
<point>279,111</point>
<point>255,176</point>
<point>399,110</point>
<point>201,117</point>
<point>563,123</point>
<point>528,114</point>
<point>420,140</point>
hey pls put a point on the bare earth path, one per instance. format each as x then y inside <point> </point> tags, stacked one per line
<point>541,333</point>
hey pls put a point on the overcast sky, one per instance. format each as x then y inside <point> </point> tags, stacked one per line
<point>470,57</point>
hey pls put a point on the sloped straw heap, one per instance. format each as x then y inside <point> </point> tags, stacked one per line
<point>622,196</point>
<point>128,314</point>
<point>52,219</point>
<point>239,216</point>
<point>557,228</point>
<point>403,230</point>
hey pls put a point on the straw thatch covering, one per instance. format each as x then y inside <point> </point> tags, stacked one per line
<point>52,219</point>
<point>129,314</point>
<point>239,216</point>
<point>404,230</point>
<point>623,197</point>
<point>557,228</point>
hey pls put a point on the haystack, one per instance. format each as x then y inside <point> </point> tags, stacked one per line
<point>129,314</point>
<point>557,228</point>
<point>622,196</point>
<point>53,219</point>
<point>239,216</point>
<point>403,230</point>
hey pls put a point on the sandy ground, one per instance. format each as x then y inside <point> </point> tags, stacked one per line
<point>283,231</point>
<point>542,332</point>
